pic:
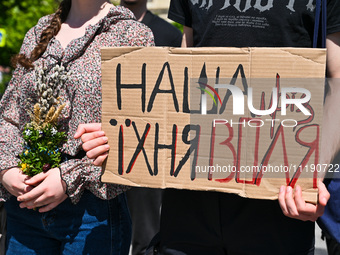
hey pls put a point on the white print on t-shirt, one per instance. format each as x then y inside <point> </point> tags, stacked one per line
<point>206,4</point>
<point>240,21</point>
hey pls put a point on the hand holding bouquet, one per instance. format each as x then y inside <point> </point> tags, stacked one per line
<point>42,136</point>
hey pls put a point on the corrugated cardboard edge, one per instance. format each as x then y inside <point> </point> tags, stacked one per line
<point>309,195</point>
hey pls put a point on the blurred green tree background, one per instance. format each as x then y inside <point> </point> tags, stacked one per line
<point>17,17</point>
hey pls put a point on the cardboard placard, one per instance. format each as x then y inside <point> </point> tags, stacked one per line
<point>240,120</point>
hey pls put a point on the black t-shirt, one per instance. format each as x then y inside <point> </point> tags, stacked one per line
<point>165,34</point>
<point>255,226</point>
<point>252,23</point>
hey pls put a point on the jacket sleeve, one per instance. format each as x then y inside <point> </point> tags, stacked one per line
<point>10,135</point>
<point>81,174</point>
<point>10,138</point>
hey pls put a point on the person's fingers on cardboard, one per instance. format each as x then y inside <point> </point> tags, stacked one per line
<point>96,145</point>
<point>306,210</point>
<point>100,159</point>
<point>299,201</point>
<point>323,194</point>
<point>93,135</point>
<point>87,128</point>
<point>290,203</point>
<point>319,211</point>
<point>282,200</point>
<point>322,199</point>
<point>98,151</point>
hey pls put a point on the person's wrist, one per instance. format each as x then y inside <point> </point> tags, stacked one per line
<point>2,173</point>
<point>63,183</point>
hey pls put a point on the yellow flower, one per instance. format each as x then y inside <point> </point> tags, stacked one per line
<point>23,166</point>
<point>26,152</point>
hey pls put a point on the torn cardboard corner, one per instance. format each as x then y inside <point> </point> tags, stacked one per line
<point>240,120</point>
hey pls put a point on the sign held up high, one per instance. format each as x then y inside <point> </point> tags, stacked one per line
<point>240,120</point>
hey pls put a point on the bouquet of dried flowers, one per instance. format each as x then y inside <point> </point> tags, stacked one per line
<point>42,138</point>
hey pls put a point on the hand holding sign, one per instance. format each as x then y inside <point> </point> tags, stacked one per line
<point>291,202</point>
<point>94,142</point>
<point>160,137</point>
<point>294,206</point>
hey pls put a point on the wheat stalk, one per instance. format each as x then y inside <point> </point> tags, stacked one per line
<point>57,113</point>
<point>36,114</point>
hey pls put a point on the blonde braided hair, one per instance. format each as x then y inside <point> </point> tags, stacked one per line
<point>46,35</point>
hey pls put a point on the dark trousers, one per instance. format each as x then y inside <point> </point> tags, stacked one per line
<point>333,247</point>
<point>144,205</point>
<point>92,226</point>
<point>201,222</point>
<point>3,223</point>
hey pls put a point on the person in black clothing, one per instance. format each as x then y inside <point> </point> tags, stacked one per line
<point>201,222</point>
<point>145,203</point>
<point>196,222</point>
<point>165,34</point>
